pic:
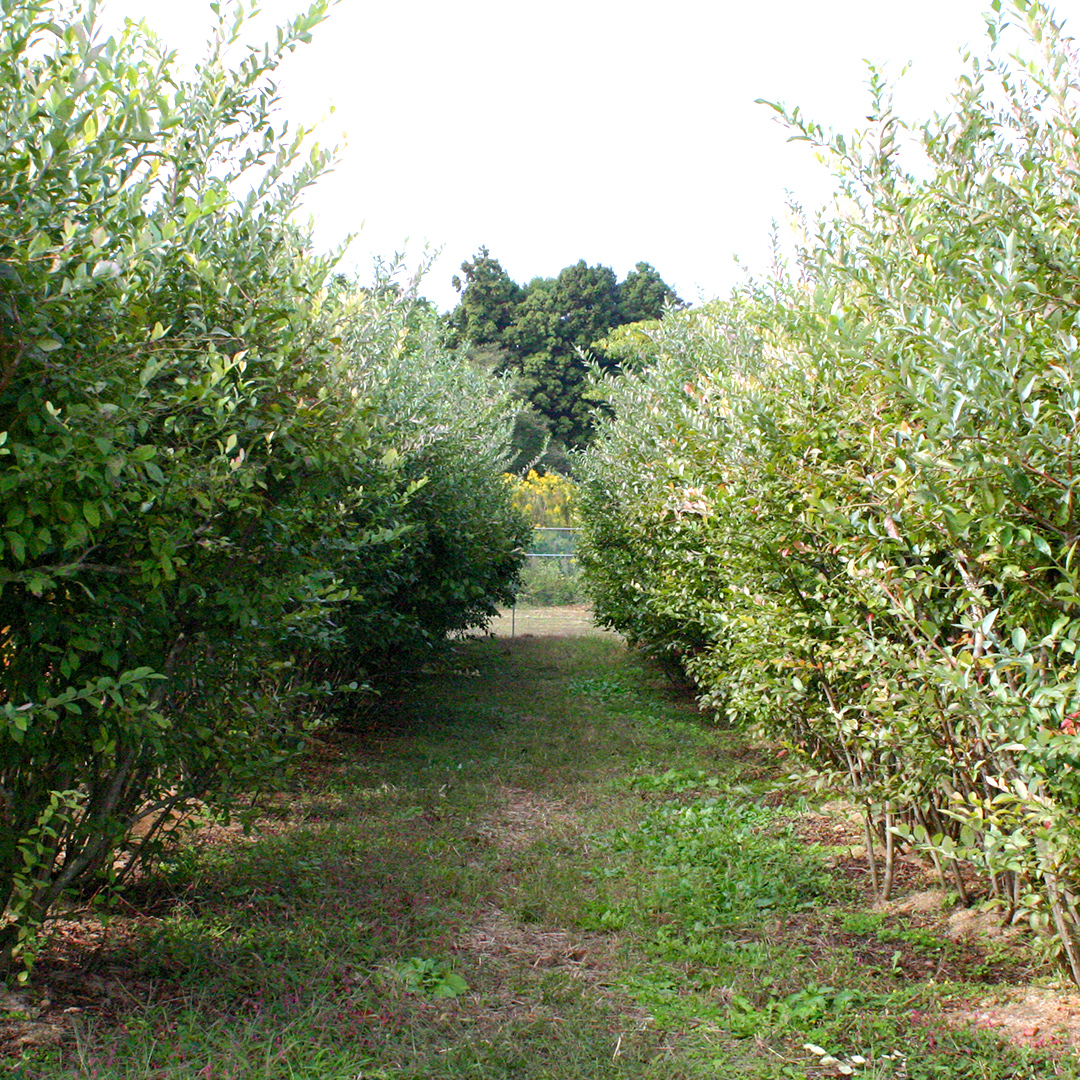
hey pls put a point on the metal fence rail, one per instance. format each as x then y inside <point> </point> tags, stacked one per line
<point>561,538</point>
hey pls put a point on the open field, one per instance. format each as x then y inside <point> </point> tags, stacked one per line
<point>571,619</point>
<point>539,864</point>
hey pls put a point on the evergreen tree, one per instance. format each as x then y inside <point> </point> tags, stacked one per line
<point>643,294</point>
<point>489,301</point>
<point>540,331</point>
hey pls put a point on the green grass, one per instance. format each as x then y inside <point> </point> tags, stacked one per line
<point>540,864</point>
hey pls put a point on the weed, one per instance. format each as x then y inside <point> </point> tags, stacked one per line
<point>429,978</point>
<point>677,781</point>
<point>861,922</point>
<point>801,1010</point>
<point>719,862</point>
<point>605,688</point>
<point>919,939</point>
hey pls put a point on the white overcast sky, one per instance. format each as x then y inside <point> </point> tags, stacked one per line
<point>607,130</point>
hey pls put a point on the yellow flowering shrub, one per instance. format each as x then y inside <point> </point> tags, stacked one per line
<point>546,501</point>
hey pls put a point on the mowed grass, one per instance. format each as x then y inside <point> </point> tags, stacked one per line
<point>539,864</point>
<point>535,620</point>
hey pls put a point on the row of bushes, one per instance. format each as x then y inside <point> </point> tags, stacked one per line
<point>844,501</point>
<point>235,490</point>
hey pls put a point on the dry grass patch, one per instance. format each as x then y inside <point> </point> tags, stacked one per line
<point>506,948</point>
<point>524,817</point>
<point>497,938</point>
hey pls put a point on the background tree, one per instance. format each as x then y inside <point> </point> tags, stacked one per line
<point>542,330</point>
<point>489,301</point>
<point>643,294</point>
<point>557,320</point>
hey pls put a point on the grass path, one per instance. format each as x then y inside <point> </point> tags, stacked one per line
<point>539,865</point>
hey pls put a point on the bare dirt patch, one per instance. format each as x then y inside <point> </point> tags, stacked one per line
<point>921,933</point>
<point>1027,1016</point>
<point>69,983</point>
<point>76,972</point>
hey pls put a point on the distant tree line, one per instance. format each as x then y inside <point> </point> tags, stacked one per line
<point>540,331</point>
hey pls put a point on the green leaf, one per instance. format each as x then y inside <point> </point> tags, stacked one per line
<point>450,985</point>
<point>17,545</point>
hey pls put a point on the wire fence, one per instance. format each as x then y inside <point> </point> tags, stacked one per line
<point>551,575</point>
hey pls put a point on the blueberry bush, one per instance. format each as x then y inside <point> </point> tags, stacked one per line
<point>235,489</point>
<point>844,500</point>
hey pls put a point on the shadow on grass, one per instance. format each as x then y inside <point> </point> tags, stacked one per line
<point>539,863</point>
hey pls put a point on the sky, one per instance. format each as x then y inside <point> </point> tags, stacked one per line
<point>614,131</point>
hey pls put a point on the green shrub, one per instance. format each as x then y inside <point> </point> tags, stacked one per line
<point>844,500</point>
<point>213,508</point>
<point>547,582</point>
